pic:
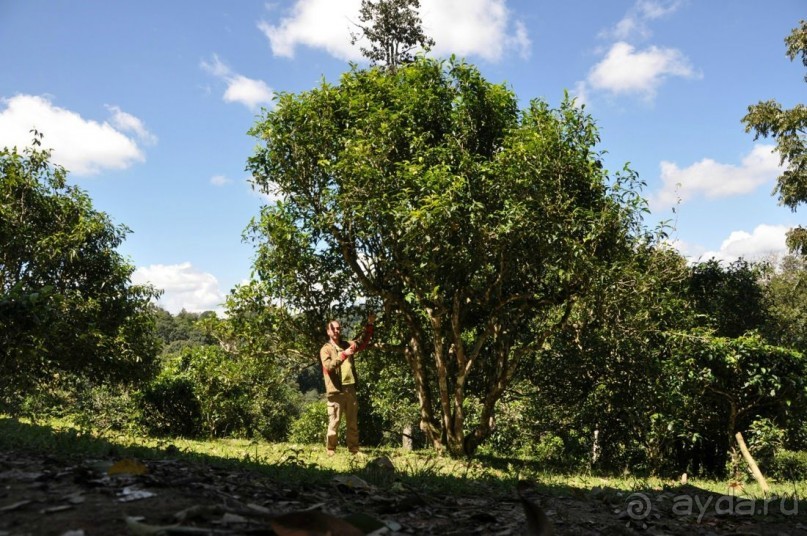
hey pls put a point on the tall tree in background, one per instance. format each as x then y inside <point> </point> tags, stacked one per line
<point>393,29</point>
<point>789,129</point>
<point>66,301</point>
<point>605,376</point>
<point>477,225</point>
<point>786,302</point>
<point>728,299</point>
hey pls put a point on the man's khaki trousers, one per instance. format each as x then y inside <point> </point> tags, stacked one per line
<point>339,404</point>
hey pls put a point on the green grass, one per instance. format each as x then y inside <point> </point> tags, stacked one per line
<point>308,465</point>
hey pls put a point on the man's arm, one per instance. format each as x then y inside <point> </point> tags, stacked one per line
<point>331,361</point>
<point>367,334</point>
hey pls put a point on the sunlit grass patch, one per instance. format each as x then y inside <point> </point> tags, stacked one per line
<point>306,464</point>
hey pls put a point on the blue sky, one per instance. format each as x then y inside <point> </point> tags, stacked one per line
<point>147,104</point>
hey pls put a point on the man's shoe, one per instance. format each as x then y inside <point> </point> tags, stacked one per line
<point>331,452</point>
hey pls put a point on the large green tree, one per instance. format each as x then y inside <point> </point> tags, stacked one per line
<point>66,301</point>
<point>602,383</point>
<point>477,225</point>
<point>789,129</point>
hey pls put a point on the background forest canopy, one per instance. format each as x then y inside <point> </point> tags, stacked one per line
<point>525,307</point>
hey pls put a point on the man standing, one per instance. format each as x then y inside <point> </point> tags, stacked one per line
<point>340,382</point>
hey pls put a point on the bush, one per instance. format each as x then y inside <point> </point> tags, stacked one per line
<point>549,451</point>
<point>789,465</point>
<point>40,404</point>
<point>513,430</point>
<point>177,347</point>
<point>107,407</point>
<point>766,439</point>
<point>206,391</point>
<point>310,427</point>
<point>169,407</point>
<point>104,406</point>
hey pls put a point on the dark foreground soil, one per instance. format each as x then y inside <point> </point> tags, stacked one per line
<point>46,495</point>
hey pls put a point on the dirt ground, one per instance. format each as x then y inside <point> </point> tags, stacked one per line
<point>46,495</point>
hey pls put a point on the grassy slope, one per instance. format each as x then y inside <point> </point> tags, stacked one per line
<point>308,463</point>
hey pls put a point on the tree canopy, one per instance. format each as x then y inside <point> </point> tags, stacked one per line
<point>786,303</point>
<point>728,299</point>
<point>475,224</point>
<point>789,129</point>
<point>66,301</point>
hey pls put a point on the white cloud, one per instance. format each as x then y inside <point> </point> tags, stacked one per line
<point>481,28</point>
<point>247,91</point>
<point>322,24</point>
<point>655,9</point>
<point>270,195</point>
<point>688,250</point>
<point>129,123</point>
<point>627,27</point>
<point>220,180</point>
<point>634,23</point>
<point>580,94</point>
<point>765,241</point>
<point>473,28</point>
<point>627,70</point>
<point>82,146</point>
<point>713,179</point>
<point>185,287</point>
<point>521,40</point>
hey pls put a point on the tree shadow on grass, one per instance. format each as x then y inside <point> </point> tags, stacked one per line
<point>74,444</point>
<point>475,494</point>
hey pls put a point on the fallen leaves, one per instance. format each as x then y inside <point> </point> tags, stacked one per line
<point>127,466</point>
<point>131,493</point>
<point>312,524</point>
<point>15,506</point>
<point>352,482</point>
<point>40,495</point>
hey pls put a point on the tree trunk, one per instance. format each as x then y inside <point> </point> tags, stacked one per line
<point>406,442</point>
<point>595,448</point>
<point>752,464</point>
<point>414,355</point>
